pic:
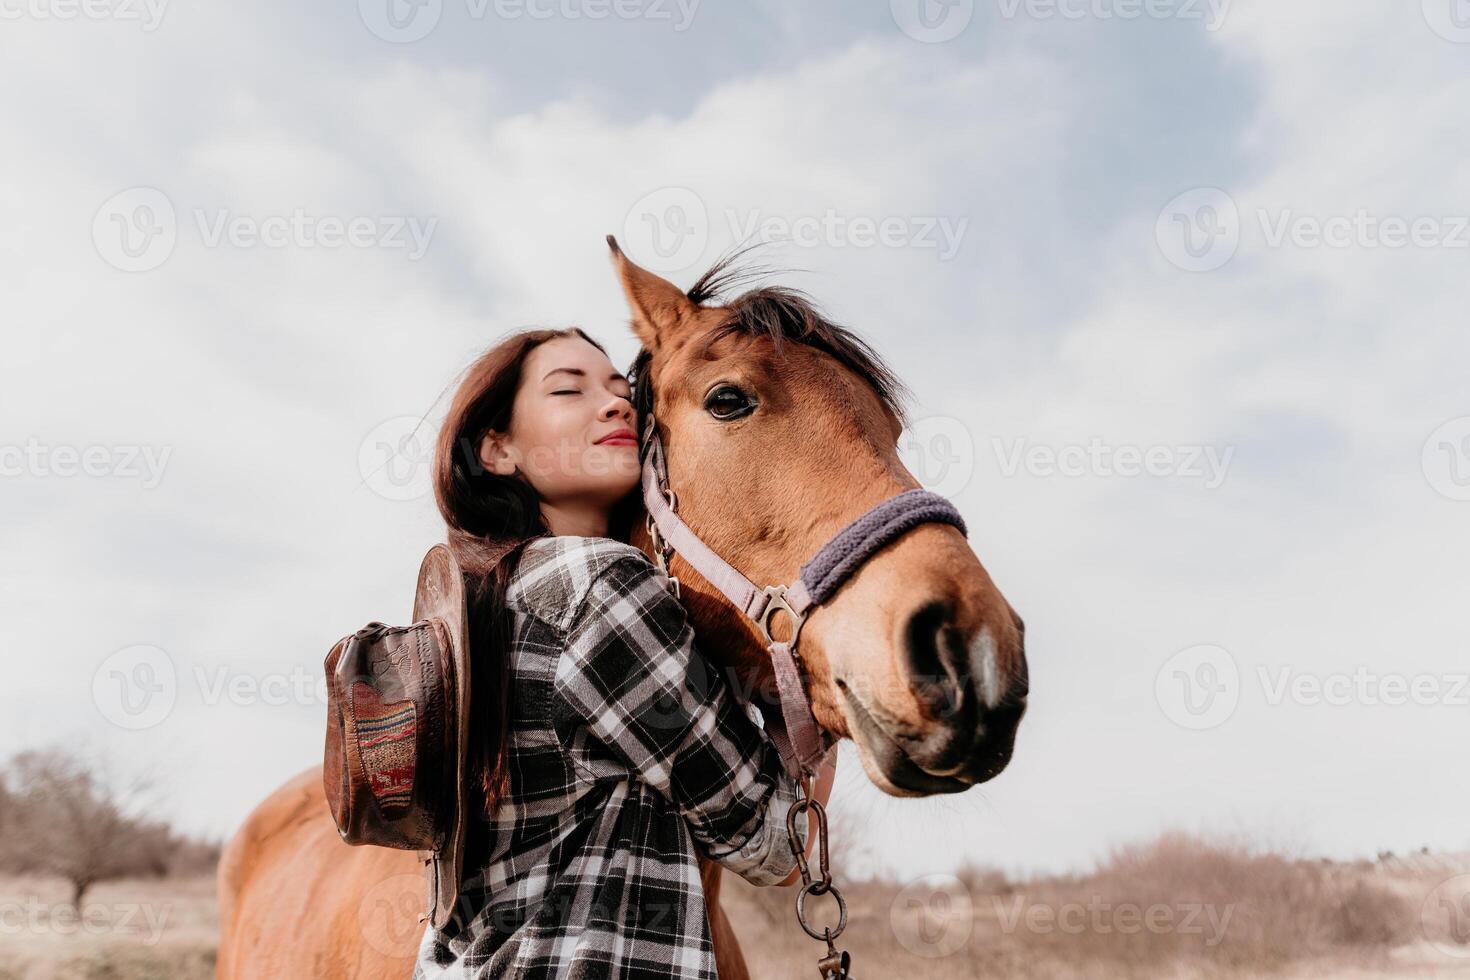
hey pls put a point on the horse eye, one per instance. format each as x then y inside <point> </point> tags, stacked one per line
<point>728,402</point>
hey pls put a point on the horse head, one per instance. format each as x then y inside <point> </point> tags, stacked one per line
<point>780,428</point>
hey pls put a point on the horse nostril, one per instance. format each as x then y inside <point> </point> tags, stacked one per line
<point>938,674</point>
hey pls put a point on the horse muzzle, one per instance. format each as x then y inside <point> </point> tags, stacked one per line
<point>954,724</point>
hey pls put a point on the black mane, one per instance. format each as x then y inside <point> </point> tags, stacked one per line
<point>780,314</point>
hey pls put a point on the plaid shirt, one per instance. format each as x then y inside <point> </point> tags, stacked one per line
<point>629,757</point>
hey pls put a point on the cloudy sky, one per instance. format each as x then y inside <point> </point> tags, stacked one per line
<point>1180,287</point>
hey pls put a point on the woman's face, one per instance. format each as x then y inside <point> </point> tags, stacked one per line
<point>570,401</point>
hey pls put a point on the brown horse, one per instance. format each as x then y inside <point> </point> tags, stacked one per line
<point>780,428</point>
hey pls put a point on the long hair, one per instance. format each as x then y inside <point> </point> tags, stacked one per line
<point>489,518</point>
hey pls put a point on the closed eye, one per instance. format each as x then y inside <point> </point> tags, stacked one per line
<point>566,392</point>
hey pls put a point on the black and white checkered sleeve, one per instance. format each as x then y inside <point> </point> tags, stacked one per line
<point>631,675</point>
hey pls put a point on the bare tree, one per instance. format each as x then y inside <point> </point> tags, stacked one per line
<point>62,816</point>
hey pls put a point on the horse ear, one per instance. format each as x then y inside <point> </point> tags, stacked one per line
<point>660,309</point>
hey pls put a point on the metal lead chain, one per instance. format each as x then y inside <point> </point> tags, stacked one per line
<point>663,551</point>
<point>834,964</point>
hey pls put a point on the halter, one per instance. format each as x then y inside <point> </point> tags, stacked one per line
<point>800,741</point>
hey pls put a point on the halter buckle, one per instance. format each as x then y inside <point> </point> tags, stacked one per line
<point>776,601</point>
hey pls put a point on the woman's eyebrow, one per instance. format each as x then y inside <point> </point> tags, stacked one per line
<point>615,376</point>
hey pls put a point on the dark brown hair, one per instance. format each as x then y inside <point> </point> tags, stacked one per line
<point>488,513</point>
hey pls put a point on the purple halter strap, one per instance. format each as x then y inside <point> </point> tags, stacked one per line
<point>801,742</point>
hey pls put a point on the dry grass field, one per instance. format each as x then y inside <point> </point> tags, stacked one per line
<point>1178,907</point>
<point>1175,908</point>
<point>128,930</point>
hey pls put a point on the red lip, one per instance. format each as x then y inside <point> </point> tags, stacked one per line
<point>620,437</point>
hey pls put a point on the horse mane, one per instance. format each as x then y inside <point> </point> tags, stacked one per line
<point>780,314</point>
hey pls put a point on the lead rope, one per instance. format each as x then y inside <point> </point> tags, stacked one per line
<point>835,963</point>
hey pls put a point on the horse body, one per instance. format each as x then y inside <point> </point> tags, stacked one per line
<point>917,657</point>
<point>295,901</point>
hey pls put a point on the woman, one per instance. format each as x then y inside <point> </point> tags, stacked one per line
<point>611,755</point>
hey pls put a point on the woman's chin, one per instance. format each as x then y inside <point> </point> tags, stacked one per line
<point>613,468</point>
